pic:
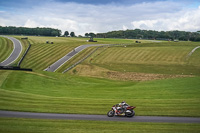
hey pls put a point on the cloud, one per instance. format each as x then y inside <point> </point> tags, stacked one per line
<point>30,23</point>
<point>183,20</point>
<point>2,11</point>
<point>82,18</point>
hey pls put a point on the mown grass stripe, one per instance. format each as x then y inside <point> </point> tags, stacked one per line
<point>6,48</point>
<point>3,45</point>
<point>40,54</point>
<point>37,56</point>
<point>148,55</point>
<point>55,50</point>
<point>121,55</point>
<point>55,56</point>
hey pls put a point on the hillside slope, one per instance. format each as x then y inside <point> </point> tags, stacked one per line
<point>152,58</point>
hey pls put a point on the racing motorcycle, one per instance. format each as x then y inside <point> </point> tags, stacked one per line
<point>121,111</point>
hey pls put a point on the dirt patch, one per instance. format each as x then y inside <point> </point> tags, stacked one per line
<point>90,71</point>
<point>94,71</point>
<point>141,76</point>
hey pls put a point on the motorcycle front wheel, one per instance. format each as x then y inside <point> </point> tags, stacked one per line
<point>110,113</point>
<point>130,114</point>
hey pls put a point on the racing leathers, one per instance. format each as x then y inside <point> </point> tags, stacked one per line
<point>121,107</point>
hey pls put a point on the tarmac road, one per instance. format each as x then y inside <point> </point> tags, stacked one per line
<point>64,59</point>
<point>15,53</point>
<point>14,114</point>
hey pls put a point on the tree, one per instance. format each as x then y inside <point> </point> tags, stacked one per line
<point>54,33</point>
<point>66,33</point>
<point>86,34</point>
<point>92,35</point>
<point>72,34</point>
<point>197,39</point>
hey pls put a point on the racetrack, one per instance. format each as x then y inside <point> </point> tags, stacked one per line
<point>64,59</point>
<point>15,54</point>
<point>14,114</point>
<point>192,51</point>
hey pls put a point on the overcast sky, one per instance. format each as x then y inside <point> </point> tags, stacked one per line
<point>82,16</point>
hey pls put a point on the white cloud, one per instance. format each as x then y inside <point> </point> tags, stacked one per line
<point>32,24</point>
<point>125,27</point>
<point>182,20</point>
<point>82,18</point>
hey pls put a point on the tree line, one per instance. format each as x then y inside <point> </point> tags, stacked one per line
<point>130,34</point>
<point>149,34</point>
<point>11,30</point>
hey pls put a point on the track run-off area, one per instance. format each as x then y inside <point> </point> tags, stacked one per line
<point>160,119</point>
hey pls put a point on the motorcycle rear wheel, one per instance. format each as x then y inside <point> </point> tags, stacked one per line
<point>110,113</point>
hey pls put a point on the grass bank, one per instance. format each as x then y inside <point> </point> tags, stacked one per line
<point>75,126</point>
<point>54,92</point>
<point>6,48</point>
<point>158,58</point>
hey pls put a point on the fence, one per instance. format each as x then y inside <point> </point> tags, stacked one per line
<point>19,63</point>
<point>14,68</point>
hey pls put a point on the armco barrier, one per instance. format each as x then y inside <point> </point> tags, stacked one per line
<point>24,55</point>
<point>14,68</point>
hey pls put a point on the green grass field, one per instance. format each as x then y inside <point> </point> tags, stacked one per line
<point>50,92</point>
<point>6,48</point>
<point>73,126</point>
<point>160,58</point>
<point>88,89</point>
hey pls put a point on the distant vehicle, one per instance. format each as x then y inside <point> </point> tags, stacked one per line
<point>121,110</point>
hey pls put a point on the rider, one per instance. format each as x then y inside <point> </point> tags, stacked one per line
<point>121,107</point>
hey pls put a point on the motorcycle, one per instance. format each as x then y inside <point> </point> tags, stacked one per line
<point>121,111</point>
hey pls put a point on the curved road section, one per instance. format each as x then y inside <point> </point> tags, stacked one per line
<point>14,114</point>
<point>64,59</point>
<point>193,51</point>
<point>15,53</point>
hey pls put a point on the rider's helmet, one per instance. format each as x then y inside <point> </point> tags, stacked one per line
<point>123,102</point>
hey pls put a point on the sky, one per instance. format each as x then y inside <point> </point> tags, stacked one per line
<point>99,16</point>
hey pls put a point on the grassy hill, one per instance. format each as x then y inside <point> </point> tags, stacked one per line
<point>6,48</point>
<point>153,60</point>
<point>54,92</point>
<point>41,55</point>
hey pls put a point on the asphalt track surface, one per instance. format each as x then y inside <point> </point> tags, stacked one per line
<point>64,59</point>
<point>193,51</point>
<point>14,114</point>
<point>15,53</point>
